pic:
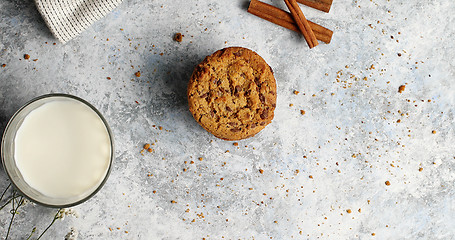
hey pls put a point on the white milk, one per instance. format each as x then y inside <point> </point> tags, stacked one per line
<point>62,149</point>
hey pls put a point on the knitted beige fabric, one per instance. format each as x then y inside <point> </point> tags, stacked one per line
<point>68,18</point>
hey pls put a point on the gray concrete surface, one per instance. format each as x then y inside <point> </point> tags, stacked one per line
<point>349,141</point>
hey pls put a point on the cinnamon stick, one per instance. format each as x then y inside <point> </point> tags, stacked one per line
<point>323,5</point>
<point>302,23</point>
<point>284,19</point>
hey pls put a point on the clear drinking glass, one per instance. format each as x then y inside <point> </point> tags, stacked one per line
<point>9,163</point>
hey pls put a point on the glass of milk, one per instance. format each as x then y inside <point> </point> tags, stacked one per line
<point>57,150</point>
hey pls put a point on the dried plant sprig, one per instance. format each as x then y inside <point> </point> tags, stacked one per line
<point>67,212</point>
<point>31,234</point>
<point>17,201</point>
<point>56,216</point>
<point>9,201</point>
<point>14,211</point>
<point>3,194</point>
<point>72,234</point>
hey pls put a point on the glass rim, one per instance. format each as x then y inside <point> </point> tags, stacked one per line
<point>111,140</point>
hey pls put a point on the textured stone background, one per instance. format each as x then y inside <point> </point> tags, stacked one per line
<point>349,140</point>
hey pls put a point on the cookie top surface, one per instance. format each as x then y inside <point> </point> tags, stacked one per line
<point>232,93</point>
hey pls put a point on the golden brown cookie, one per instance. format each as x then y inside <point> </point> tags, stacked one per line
<point>232,93</point>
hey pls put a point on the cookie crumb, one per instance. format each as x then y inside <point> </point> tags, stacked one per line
<point>349,211</point>
<point>178,37</point>
<point>434,131</point>
<point>302,112</point>
<point>387,183</point>
<point>137,74</point>
<point>235,144</point>
<point>261,171</point>
<point>420,169</point>
<point>108,78</point>
<point>146,146</point>
<point>296,92</point>
<point>26,56</point>
<point>200,159</point>
<point>3,65</point>
<point>401,88</point>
